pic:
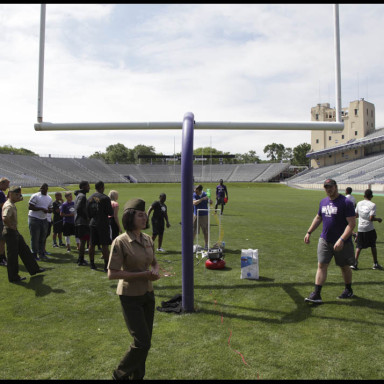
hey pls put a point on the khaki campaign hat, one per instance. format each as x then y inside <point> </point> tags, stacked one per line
<point>137,204</point>
<point>15,189</point>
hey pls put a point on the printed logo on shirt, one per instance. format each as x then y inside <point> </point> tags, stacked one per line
<point>329,210</point>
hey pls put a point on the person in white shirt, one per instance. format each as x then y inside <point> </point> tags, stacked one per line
<point>348,195</point>
<point>40,204</point>
<point>366,235</point>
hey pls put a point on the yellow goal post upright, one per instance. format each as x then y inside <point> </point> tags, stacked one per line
<point>187,125</point>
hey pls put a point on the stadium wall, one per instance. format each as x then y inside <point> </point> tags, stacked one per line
<point>378,188</point>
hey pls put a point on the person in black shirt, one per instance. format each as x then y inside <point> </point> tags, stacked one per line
<point>81,219</point>
<point>99,207</point>
<point>57,220</point>
<point>159,215</point>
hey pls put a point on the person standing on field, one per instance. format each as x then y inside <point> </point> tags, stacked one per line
<point>200,202</point>
<point>81,219</point>
<point>348,195</point>
<point>337,214</point>
<point>16,245</point>
<point>114,220</point>
<point>57,221</point>
<point>67,212</point>
<point>221,194</point>
<point>132,261</point>
<point>4,185</point>
<point>366,233</point>
<point>40,204</point>
<point>159,215</point>
<point>99,207</point>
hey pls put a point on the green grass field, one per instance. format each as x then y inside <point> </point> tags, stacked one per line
<point>67,322</point>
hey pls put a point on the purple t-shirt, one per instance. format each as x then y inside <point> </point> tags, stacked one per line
<point>68,208</point>
<point>221,190</point>
<point>202,205</point>
<point>334,214</point>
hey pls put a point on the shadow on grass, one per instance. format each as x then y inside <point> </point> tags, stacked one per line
<point>302,311</point>
<point>60,258</point>
<point>168,253</point>
<point>36,283</point>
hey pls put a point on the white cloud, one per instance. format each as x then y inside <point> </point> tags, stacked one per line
<point>247,62</point>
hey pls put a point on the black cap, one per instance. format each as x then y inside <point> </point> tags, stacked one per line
<point>137,204</point>
<point>329,182</point>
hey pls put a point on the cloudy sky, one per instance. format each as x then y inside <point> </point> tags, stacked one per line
<point>154,63</point>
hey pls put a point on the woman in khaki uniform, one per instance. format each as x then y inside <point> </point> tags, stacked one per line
<point>132,261</point>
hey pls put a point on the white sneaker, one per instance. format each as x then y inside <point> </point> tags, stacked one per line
<point>161,250</point>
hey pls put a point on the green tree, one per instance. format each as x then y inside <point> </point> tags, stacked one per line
<point>98,155</point>
<point>206,152</point>
<point>118,153</point>
<point>299,153</point>
<point>249,157</point>
<point>8,149</point>
<point>143,150</point>
<point>274,151</point>
<point>288,154</point>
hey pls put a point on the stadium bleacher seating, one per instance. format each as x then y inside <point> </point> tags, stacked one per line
<point>29,171</point>
<point>367,172</point>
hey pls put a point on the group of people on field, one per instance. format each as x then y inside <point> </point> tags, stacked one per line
<point>94,221</point>
<point>338,213</point>
<point>132,260</point>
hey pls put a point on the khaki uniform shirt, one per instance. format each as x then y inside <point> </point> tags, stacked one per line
<point>10,212</point>
<point>129,254</point>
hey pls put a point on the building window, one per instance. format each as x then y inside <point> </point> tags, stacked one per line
<point>355,133</point>
<point>367,111</point>
<point>330,138</point>
<point>317,141</point>
<point>342,136</point>
<point>356,112</point>
<point>317,116</point>
<point>342,154</point>
<point>355,151</point>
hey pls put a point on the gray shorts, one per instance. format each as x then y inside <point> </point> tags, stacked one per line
<point>325,252</point>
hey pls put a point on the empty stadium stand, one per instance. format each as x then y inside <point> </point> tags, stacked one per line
<point>31,171</point>
<point>360,174</point>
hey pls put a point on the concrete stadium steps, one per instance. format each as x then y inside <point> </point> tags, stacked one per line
<point>362,172</point>
<point>34,170</point>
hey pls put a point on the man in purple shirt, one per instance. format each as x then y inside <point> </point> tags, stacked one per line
<point>338,216</point>
<point>221,193</point>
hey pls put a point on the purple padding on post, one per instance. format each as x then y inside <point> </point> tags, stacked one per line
<point>186,212</point>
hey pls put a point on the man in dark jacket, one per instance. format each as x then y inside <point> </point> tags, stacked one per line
<point>81,219</point>
<point>99,207</point>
